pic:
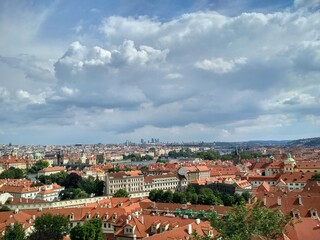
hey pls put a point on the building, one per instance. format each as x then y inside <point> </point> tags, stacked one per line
<point>194,173</point>
<point>164,182</point>
<point>131,181</point>
<point>50,170</point>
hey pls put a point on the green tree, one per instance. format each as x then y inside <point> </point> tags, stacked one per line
<point>73,193</point>
<point>15,232</point>
<point>144,168</point>
<point>50,227</point>
<point>114,169</point>
<point>246,196</point>
<point>88,185</point>
<point>41,164</point>
<point>242,222</point>
<point>77,233</point>
<point>192,197</point>
<point>121,193</point>
<point>90,230</point>
<point>73,180</point>
<point>207,197</point>
<point>152,194</point>
<point>179,197</point>
<point>5,209</point>
<point>99,187</point>
<point>315,177</point>
<point>190,189</point>
<point>158,196</point>
<point>58,178</point>
<point>167,197</point>
<point>93,230</point>
<point>12,172</point>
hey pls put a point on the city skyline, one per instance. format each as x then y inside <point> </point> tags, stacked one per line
<point>111,71</point>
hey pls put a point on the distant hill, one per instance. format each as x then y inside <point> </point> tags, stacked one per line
<point>306,142</point>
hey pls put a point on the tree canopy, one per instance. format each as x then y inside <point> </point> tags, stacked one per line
<point>75,185</point>
<point>121,193</point>
<point>315,177</point>
<point>242,222</point>
<point>12,172</point>
<point>90,230</point>
<point>205,196</point>
<point>137,157</point>
<point>212,154</point>
<point>50,227</point>
<point>15,232</point>
<point>41,164</point>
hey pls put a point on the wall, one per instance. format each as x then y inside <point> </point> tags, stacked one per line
<point>59,204</point>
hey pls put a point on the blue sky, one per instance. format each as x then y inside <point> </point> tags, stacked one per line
<point>111,71</point>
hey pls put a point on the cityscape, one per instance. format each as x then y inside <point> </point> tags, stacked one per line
<point>163,119</point>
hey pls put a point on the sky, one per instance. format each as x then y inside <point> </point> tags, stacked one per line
<point>107,71</point>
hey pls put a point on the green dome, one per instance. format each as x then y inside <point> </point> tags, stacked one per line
<point>289,159</point>
<point>37,154</point>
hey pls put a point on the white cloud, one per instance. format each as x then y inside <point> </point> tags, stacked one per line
<point>219,65</point>
<point>28,98</point>
<point>68,91</point>
<point>174,76</point>
<point>200,74</point>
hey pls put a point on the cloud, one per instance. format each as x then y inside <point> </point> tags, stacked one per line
<point>200,75</point>
<point>307,3</point>
<point>4,94</point>
<point>27,98</point>
<point>218,65</point>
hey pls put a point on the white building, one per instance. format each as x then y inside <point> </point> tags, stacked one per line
<point>164,182</point>
<point>131,181</point>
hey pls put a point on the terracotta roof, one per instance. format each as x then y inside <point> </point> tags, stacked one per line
<point>52,169</point>
<point>151,178</point>
<point>18,189</point>
<point>308,165</point>
<point>202,229</point>
<point>305,228</point>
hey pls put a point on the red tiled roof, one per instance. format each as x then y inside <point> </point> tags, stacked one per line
<point>52,169</point>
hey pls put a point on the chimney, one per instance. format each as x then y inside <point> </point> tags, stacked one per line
<point>34,217</point>
<point>198,221</point>
<point>279,201</point>
<point>129,217</point>
<point>142,219</point>
<point>264,200</point>
<point>299,200</point>
<point>189,229</point>
<point>134,237</point>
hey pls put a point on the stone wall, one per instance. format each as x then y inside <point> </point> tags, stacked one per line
<point>59,204</point>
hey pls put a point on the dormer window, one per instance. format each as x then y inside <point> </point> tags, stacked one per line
<point>114,217</point>
<point>313,213</point>
<point>71,216</point>
<point>97,216</point>
<point>128,230</point>
<point>154,228</point>
<point>88,216</point>
<point>296,213</point>
<point>105,217</point>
